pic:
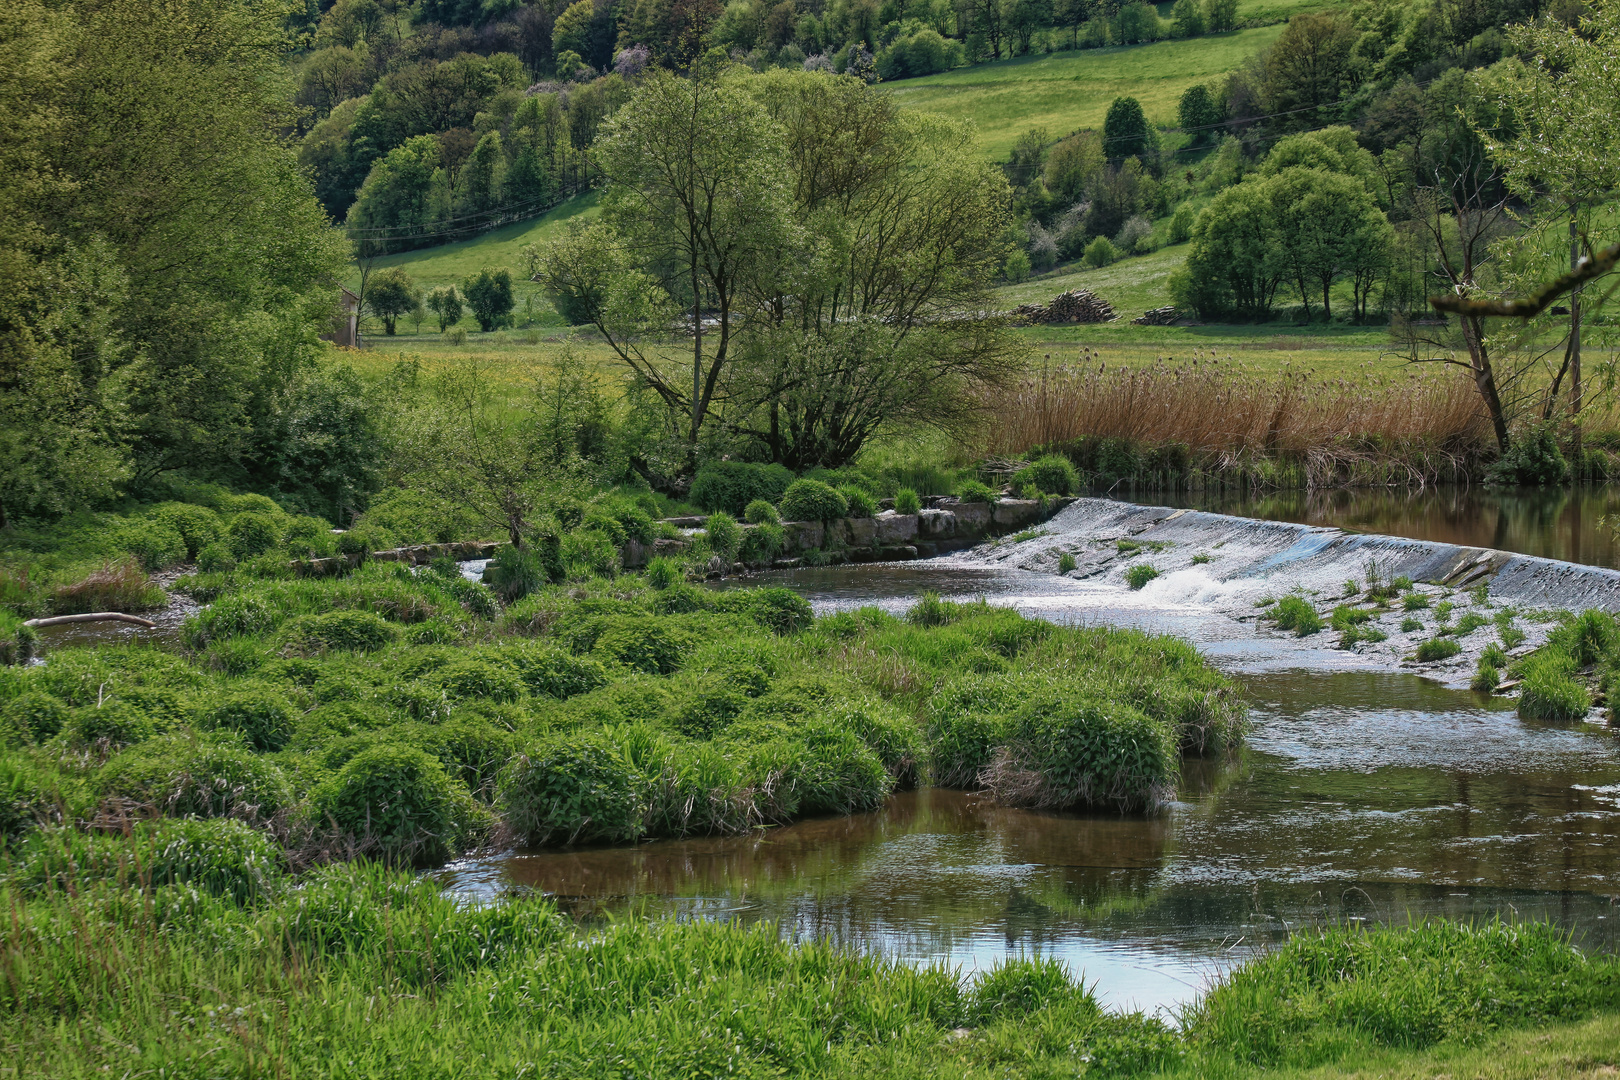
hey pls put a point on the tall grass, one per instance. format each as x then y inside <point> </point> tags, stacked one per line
<point>1420,427</point>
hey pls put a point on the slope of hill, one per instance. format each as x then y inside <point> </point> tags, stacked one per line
<point>1065,91</point>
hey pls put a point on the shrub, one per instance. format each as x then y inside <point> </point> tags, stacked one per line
<point>1297,614</point>
<point>478,679</point>
<point>1533,459</point>
<point>662,572</point>
<point>811,500</point>
<point>729,486</point>
<point>569,788</point>
<point>155,543</point>
<point>1486,679</point>
<point>471,749</point>
<point>907,501</point>
<point>1549,690</point>
<point>1439,648</point>
<point>817,769</point>
<point>251,534</point>
<point>972,491</point>
<point>1055,474</point>
<point>198,526</point>
<point>216,558</point>
<point>363,539</point>
<point>762,543</point>
<point>263,717</point>
<point>309,538</point>
<point>1471,622</point>
<point>724,535</point>
<point>396,800</point>
<point>1066,748</point>
<point>1016,987</point>
<point>111,725</point>
<point>1139,575</point>
<point>1587,638</point>
<point>188,777</point>
<point>1066,563</point>
<point>117,586</point>
<point>761,512</point>
<point>1101,252</point>
<point>39,714</point>
<point>859,504</point>
<point>1494,655</point>
<point>355,631</point>
<point>1413,601</point>
<point>1411,626</point>
<point>514,573</point>
<point>16,640</point>
<point>223,858</point>
<point>644,643</point>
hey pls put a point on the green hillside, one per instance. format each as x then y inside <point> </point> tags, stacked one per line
<point>451,264</point>
<point>1066,91</point>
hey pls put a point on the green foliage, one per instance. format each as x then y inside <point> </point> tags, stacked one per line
<point>723,534</point>
<point>263,716</point>
<point>216,558</point>
<point>907,501</point>
<point>356,631</point>
<point>1533,459</point>
<point>395,801</point>
<point>38,714</point>
<point>182,776</point>
<point>811,500</point>
<point>1549,690</point>
<point>643,643</point>
<point>570,788</point>
<point>220,858</point>
<point>761,512</point>
<point>489,295</point>
<point>762,543</point>
<point>1140,574</point>
<point>730,486</point>
<point>859,503</point>
<point>662,572</point>
<point>1486,678</point>
<point>972,491</point>
<point>156,544</point>
<point>515,572</point>
<point>251,534</point>
<point>1100,253</point>
<point>1126,132</point>
<point>1440,648</point>
<point>390,293</point>
<point>1297,614</point>
<point>1411,625</point>
<point>1054,474</point>
<point>1310,1000</point>
<point>1414,601</point>
<point>1067,747</point>
<point>1066,563</point>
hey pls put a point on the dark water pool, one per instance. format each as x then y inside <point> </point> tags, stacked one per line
<point>1553,523</point>
<point>1363,794</point>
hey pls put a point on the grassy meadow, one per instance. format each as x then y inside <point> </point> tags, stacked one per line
<point>1064,92</point>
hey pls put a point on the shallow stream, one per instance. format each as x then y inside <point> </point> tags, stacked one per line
<point>1364,793</point>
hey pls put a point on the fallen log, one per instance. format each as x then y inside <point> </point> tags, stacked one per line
<point>94,616</point>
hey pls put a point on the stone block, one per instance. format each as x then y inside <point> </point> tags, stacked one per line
<point>895,528</point>
<point>936,524</point>
<point>1016,514</point>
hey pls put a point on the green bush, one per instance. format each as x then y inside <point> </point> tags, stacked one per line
<point>761,512</point>
<point>478,679</point>
<point>111,725</point>
<point>1440,648</point>
<point>216,558</point>
<point>907,501</point>
<point>858,503</point>
<point>1414,601</point>
<point>1549,690</point>
<point>364,539</point>
<point>644,643</point>
<point>1068,748</point>
<point>514,574</point>
<point>762,543</point>
<point>569,788</point>
<point>1055,474</point>
<point>662,572</point>
<point>1410,625</point>
<point>812,769</point>
<point>1586,638</point>
<point>972,491</point>
<point>353,631</point>
<point>41,715</point>
<point>1016,987</point>
<point>183,776</point>
<point>587,553</point>
<point>811,500</point>
<point>1486,679</point>
<point>1139,575</point>
<point>1309,1000</point>
<point>729,486</point>
<point>309,538</point>
<point>16,640</point>
<point>724,535</point>
<point>263,716</point>
<point>216,857</point>
<point>1297,614</point>
<point>155,543</point>
<point>471,749</point>
<point>1494,655</point>
<point>396,801</point>
<point>1533,459</point>
<point>28,799</point>
<point>1101,252</point>
<point>251,534</point>
<point>198,526</point>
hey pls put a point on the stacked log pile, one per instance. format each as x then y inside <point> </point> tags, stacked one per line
<point>1074,306</point>
<point>1159,316</point>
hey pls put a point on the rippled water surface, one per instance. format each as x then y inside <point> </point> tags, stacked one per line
<point>1363,794</point>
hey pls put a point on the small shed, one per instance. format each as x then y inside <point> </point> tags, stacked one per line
<point>345,321</point>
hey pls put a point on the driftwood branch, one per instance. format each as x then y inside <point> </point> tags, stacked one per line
<point>94,616</point>
<point>1595,264</point>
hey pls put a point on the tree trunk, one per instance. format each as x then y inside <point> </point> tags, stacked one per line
<point>1575,347</point>
<point>697,353</point>
<point>1484,378</point>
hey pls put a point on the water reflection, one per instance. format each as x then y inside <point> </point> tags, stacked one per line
<point>1362,796</point>
<point>1554,523</point>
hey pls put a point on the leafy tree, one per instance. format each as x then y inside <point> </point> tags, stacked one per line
<point>1199,114</point>
<point>571,32</point>
<point>1125,129</point>
<point>489,295</point>
<point>696,200</point>
<point>1310,67</point>
<point>1220,15</point>
<point>390,293</point>
<point>404,198</point>
<point>1231,268</point>
<point>479,186</point>
<point>1188,18</point>
<point>445,302</point>
<point>1327,227</point>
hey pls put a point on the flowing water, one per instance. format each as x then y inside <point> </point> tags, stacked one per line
<point>1363,793</point>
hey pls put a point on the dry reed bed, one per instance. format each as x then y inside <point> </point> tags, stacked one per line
<point>1227,417</point>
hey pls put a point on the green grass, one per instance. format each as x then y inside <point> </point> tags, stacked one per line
<point>1065,92</point>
